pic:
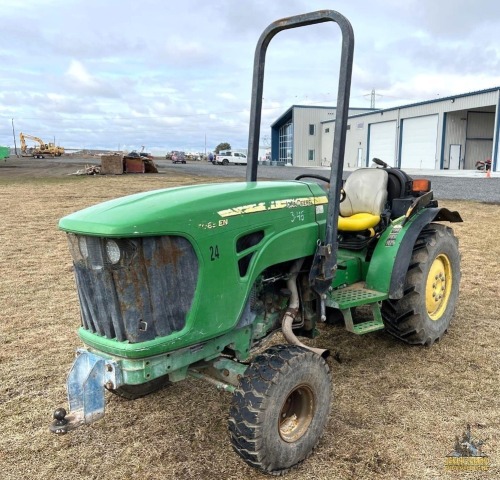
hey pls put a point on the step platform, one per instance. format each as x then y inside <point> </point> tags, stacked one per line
<point>357,295</point>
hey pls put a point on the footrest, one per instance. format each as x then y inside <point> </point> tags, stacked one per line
<point>353,296</point>
<point>367,327</point>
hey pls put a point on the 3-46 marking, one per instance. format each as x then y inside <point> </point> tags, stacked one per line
<point>297,216</point>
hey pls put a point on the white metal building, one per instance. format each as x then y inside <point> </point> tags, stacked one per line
<point>448,133</point>
<point>296,136</point>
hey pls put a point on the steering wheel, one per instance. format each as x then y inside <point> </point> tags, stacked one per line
<point>312,175</point>
<point>324,179</point>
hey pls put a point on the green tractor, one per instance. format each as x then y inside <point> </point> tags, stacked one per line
<point>193,281</point>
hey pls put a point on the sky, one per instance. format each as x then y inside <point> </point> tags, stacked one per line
<point>177,75</point>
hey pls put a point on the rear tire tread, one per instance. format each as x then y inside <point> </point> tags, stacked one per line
<point>406,318</point>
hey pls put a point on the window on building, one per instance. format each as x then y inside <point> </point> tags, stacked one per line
<point>285,153</point>
<point>327,130</point>
<point>312,129</point>
<point>310,155</point>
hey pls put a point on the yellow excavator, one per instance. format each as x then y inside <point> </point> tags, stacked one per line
<point>40,150</point>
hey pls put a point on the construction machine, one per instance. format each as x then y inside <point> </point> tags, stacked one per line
<point>40,150</point>
<point>193,282</point>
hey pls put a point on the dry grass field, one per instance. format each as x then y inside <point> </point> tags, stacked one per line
<point>396,409</point>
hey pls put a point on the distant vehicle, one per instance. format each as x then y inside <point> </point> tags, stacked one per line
<point>41,150</point>
<point>226,157</point>
<point>177,157</point>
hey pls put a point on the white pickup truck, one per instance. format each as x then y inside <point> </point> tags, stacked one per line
<point>227,156</point>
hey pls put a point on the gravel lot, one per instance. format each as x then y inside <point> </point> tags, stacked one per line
<point>474,187</point>
<point>449,185</point>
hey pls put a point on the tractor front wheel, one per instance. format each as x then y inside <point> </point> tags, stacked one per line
<point>424,313</point>
<point>280,408</point>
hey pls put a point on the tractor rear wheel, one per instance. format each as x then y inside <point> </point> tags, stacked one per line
<point>132,392</point>
<point>424,313</point>
<point>280,409</point>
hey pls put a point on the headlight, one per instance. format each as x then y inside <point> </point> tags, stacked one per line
<point>82,245</point>
<point>113,252</point>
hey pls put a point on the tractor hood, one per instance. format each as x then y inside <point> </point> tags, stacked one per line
<point>189,209</point>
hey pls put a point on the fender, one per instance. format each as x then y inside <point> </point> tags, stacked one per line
<point>391,258</point>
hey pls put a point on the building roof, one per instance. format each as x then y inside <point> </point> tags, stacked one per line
<point>426,102</point>
<point>285,117</point>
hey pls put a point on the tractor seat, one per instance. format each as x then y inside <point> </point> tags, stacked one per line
<point>365,197</point>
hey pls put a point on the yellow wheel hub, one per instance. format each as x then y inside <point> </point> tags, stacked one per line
<point>438,287</point>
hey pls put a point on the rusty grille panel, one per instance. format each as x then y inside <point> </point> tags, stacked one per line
<point>146,294</point>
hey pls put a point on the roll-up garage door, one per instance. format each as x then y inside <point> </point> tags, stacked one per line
<point>419,142</point>
<point>479,140</point>
<point>382,143</point>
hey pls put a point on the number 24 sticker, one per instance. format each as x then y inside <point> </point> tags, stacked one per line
<point>214,253</point>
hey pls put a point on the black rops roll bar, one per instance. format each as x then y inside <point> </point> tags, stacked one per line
<point>325,260</point>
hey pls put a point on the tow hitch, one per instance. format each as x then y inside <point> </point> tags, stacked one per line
<point>87,380</point>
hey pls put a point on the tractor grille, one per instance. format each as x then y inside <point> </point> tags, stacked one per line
<point>134,289</point>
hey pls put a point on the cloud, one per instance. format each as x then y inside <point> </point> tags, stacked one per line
<point>79,75</point>
<point>168,74</point>
<point>433,85</point>
<point>182,52</point>
<point>80,81</point>
<point>457,19</point>
<point>227,96</point>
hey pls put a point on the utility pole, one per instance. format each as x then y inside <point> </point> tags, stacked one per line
<point>372,97</point>
<point>14,135</point>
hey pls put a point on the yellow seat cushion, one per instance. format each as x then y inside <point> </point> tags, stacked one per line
<point>358,222</point>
